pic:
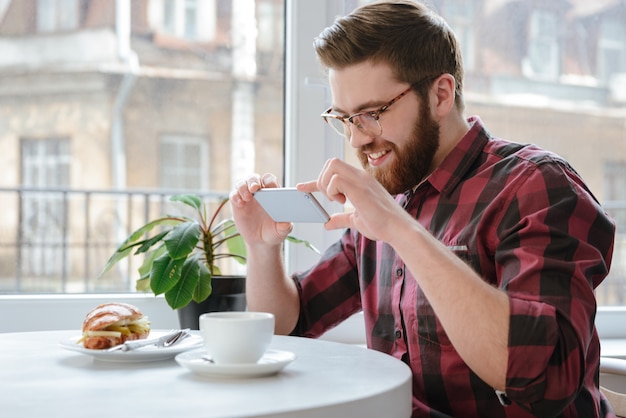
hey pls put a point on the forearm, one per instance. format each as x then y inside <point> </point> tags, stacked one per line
<point>474,314</point>
<point>269,289</point>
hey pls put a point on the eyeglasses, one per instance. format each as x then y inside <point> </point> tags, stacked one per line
<point>367,122</point>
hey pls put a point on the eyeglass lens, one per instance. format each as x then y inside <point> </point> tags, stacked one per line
<point>364,122</point>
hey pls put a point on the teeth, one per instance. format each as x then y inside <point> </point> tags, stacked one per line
<point>377,155</point>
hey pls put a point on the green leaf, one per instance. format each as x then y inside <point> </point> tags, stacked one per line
<point>181,240</point>
<point>204,288</point>
<point>147,244</point>
<point>165,273</point>
<point>125,249</point>
<point>188,199</point>
<point>165,221</point>
<point>143,284</point>
<point>117,256</point>
<point>307,244</point>
<point>146,266</point>
<point>180,295</point>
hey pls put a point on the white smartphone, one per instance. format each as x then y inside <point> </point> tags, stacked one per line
<point>287,204</point>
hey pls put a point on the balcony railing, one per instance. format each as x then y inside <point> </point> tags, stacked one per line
<point>58,240</point>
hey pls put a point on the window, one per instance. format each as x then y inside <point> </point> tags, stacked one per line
<point>43,226</point>
<point>543,51</point>
<point>184,110</point>
<point>183,163</point>
<point>611,49</point>
<point>612,292</point>
<point>57,15</point>
<point>192,20</point>
<point>461,18</point>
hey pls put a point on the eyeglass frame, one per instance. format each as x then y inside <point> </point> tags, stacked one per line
<point>375,114</point>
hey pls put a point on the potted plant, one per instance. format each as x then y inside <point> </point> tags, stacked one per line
<point>181,260</point>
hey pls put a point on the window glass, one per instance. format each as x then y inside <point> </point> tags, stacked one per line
<point>57,15</point>
<point>543,51</point>
<point>611,49</point>
<point>183,163</point>
<point>45,166</point>
<point>110,107</point>
<point>462,20</point>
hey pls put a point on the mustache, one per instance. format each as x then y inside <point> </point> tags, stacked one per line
<point>368,148</point>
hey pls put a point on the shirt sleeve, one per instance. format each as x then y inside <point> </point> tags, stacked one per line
<point>329,291</point>
<point>555,247</point>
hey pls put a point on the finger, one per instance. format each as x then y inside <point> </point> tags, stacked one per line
<point>335,190</point>
<point>284,228</point>
<point>339,221</point>
<point>241,190</point>
<point>309,186</point>
<point>254,183</point>
<point>235,198</point>
<point>325,175</point>
<point>269,180</point>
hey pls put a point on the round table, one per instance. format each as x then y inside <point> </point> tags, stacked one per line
<point>327,379</point>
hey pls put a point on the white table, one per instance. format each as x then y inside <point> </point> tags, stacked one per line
<point>327,379</point>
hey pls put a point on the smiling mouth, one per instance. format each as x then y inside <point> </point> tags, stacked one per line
<point>376,155</point>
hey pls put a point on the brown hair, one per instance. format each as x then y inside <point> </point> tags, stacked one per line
<point>416,42</point>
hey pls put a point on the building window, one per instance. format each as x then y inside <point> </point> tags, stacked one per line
<point>57,15</point>
<point>460,15</point>
<point>192,20</point>
<point>183,163</point>
<point>611,49</point>
<point>543,46</point>
<point>612,291</point>
<point>45,165</point>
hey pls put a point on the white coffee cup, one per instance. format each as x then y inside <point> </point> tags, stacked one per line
<point>236,337</point>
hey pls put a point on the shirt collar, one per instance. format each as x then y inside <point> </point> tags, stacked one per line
<point>456,164</point>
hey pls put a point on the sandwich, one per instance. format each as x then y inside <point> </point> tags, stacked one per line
<point>111,324</point>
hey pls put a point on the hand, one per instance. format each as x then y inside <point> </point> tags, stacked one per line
<point>374,207</point>
<point>253,223</point>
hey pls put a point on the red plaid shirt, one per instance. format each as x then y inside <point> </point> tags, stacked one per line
<point>525,221</point>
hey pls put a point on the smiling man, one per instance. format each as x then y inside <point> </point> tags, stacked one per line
<point>473,259</point>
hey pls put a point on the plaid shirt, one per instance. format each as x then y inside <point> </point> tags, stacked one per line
<point>524,220</point>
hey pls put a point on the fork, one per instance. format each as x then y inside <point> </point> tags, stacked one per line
<point>171,338</point>
<point>180,335</point>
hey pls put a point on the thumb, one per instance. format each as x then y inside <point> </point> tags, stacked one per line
<point>284,228</point>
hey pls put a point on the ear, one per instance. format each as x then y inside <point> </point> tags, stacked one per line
<point>442,95</point>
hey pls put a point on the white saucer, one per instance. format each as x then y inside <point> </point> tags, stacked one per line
<point>271,363</point>
<point>143,354</point>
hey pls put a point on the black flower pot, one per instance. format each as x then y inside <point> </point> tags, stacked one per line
<point>229,294</point>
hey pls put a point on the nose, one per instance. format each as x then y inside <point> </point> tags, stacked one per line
<point>358,138</point>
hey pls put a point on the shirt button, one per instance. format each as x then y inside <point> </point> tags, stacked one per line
<point>398,334</point>
<point>399,271</point>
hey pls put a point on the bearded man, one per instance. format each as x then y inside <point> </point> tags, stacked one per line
<point>473,259</point>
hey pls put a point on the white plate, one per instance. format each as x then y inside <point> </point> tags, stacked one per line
<point>143,354</point>
<point>271,363</point>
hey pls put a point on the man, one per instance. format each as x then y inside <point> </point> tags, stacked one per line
<point>473,259</point>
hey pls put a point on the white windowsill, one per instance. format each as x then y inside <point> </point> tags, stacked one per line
<point>58,312</point>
